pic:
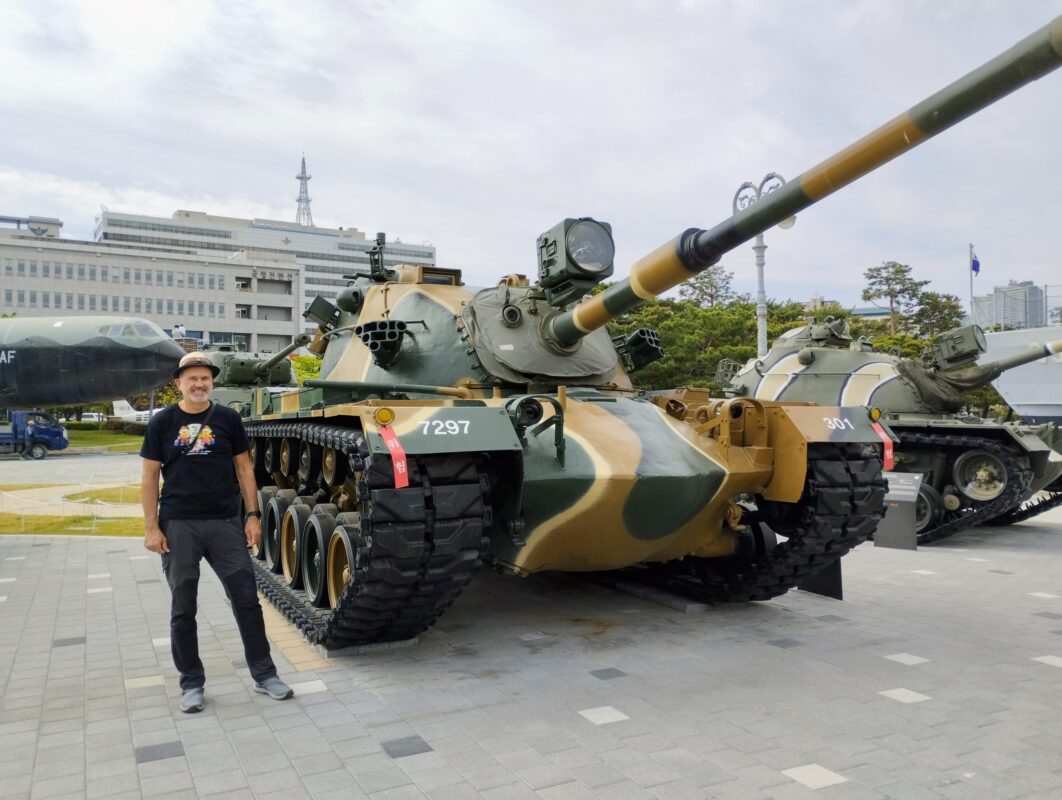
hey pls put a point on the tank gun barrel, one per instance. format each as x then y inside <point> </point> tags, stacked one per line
<point>986,373</point>
<point>262,369</point>
<point>695,250</point>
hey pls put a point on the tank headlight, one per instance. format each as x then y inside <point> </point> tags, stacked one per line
<point>590,246</point>
<point>574,256</point>
<point>874,414</point>
<point>384,416</point>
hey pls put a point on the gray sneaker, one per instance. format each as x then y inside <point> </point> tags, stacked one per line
<point>275,688</point>
<point>192,700</point>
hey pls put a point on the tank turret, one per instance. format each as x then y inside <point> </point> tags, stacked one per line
<point>240,372</point>
<point>453,427</point>
<point>973,470</point>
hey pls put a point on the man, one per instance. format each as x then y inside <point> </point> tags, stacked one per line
<point>194,445</point>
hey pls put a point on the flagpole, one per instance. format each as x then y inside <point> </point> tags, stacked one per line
<point>969,269</point>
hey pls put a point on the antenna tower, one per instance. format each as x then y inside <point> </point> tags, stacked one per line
<point>303,216</point>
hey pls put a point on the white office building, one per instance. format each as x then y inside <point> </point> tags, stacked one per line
<point>1019,304</point>
<point>322,255</point>
<point>227,280</point>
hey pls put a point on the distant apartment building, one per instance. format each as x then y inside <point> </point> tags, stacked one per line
<point>227,280</point>
<point>1019,304</point>
<point>321,255</point>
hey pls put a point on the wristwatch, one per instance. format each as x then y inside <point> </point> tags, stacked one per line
<point>250,514</point>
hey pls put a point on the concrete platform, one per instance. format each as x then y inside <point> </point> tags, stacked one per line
<point>939,676</point>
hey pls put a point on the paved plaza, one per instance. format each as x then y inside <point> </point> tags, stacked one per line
<point>938,676</point>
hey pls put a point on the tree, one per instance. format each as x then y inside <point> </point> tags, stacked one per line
<point>892,282</point>
<point>708,288</point>
<point>307,366</point>
<point>936,313</point>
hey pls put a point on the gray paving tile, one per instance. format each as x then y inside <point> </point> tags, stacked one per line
<point>157,752</point>
<point>68,642</point>
<point>785,643</point>
<point>407,746</point>
<point>608,673</point>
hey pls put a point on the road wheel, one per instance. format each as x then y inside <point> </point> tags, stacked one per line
<point>340,564</point>
<point>291,541</point>
<point>929,508</point>
<point>979,475</point>
<point>37,451</point>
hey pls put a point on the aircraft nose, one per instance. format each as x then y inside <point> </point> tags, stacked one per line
<point>168,354</point>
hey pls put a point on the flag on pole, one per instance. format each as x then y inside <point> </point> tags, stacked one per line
<point>975,262</point>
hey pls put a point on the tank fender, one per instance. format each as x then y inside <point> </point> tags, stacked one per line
<point>440,429</point>
<point>797,426</point>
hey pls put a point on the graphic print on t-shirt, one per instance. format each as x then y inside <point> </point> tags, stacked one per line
<point>203,437</point>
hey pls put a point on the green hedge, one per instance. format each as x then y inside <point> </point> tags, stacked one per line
<point>84,426</point>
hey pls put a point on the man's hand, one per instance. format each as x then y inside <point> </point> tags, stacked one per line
<point>253,530</point>
<point>155,540</point>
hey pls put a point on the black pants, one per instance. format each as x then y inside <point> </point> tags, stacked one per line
<point>222,543</point>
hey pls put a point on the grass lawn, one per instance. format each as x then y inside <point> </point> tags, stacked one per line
<point>117,442</point>
<point>130,493</point>
<point>74,526</point>
<point>15,487</point>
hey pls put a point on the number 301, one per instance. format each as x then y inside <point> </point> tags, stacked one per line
<point>838,424</point>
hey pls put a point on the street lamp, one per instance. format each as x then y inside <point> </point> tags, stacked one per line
<point>749,194</point>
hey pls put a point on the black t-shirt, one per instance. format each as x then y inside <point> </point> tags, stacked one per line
<point>201,483</point>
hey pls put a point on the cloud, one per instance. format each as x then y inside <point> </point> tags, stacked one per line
<point>477,125</point>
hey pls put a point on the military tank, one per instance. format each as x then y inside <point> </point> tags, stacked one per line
<point>973,470</point>
<point>453,427</point>
<point>240,372</point>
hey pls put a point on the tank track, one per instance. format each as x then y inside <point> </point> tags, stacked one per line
<point>417,547</point>
<point>1032,507</point>
<point>844,500</point>
<point>1019,477</point>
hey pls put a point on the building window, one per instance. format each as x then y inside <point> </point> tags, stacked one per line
<point>169,277</point>
<point>136,277</point>
<point>125,304</point>
<point>33,299</point>
<point>114,301</point>
<point>21,297</point>
<point>115,275</point>
<point>33,269</point>
<point>202,308</point>
<point>202,281</point>
<point>9,296</point>
<point>221,282</point>
<point>103,272</point>
<point>147,303</point>
<point>180,308</point>
<point>56,299</point>
<point>69,271</point>
<point>92,272</point>
<point>92,302</point>
<point>180,280</point>
<point>169,304</point>
<point>158,277</point>
<point>45,298</point>
<point>210,282</point>
<point>46,269</point>
<point>212,308</point>
<point>221,309</point>
<point>103,302</point>
<point>70,299</point>
<point>147,276</point>
<point>9,269</point>
<point>81,302</point>
<point>21,267</point>
<point>136,305</point>
<point>81,272</point>
<point>191,280</point>
<point>126,275</point>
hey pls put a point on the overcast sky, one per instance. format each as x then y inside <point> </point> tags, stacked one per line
<point>475,126</point>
